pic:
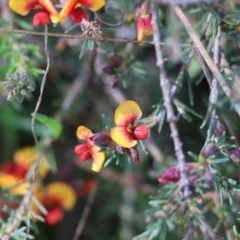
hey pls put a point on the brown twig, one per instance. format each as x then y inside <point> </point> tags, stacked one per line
<point>165,86</point>
<point>25,204</point>
<point>80,37</point>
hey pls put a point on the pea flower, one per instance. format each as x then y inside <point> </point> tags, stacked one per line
<point>12,176</point>
<point>88,149</point>
<point>73,8</point>
<point>144,21</point>
<point>27,156</point>
<point>44,14</point>
<point>172,174</point>
<point>126,133</point>
<point>57,198</point>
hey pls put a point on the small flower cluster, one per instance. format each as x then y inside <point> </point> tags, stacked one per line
<point>45,11</point>
<point>56,198</point>
<point>144,20</point>
<point>18,86</point>
<point>123,137</point>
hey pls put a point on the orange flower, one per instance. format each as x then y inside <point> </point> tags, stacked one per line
<point>88,149</point>
<point>73,8</point>
<point>45,11</point>
<point>144,21</point>
<point>126,133</point>
<point>57,198</point>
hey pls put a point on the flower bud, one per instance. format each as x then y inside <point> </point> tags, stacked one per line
<point>114,82</point>
<point>134,154</point>
<point>209,150</point>
<point>140,132</point>
<point>101,139</point>
<point>119,149</point>
<point>108,70</point>
<point>234,154</point>
<point>115,60</point>
<point>219,129</point>
<point>172,174</point>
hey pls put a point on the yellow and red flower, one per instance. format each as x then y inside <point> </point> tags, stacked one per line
<point>73,8</point>
<point>144,21</point>
<point>88,149</point>
<point>126,133</point>
<point>57,198</point>
<point>12,176</point>
<point>28,156</point>
<point>45,11</point>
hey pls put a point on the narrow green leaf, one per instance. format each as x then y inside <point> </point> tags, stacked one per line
<point>193,156</point>
<point>190,91</point>
<point>71,28</point>
<point>51,123</point>
<point>84,48</point>
<point>109,160</point>
<point>216,161</point>
<point>39,205</point>
<point>108,47</point>
<point>161,120</point>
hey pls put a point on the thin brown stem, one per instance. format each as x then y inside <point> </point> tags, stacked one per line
<point>165,86</point>
<point>86,212</point>
<point>80,37</point>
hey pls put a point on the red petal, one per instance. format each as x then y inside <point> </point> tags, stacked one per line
<point>54,216</point>
<point>8,167</point>
<point>85,155</point>
<point>78,14</point>
<point>20,171</point>
<point>79,149</point>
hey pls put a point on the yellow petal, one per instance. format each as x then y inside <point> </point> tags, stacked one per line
<point>98,158</point>
<point>62,191</point>
<point>127,111</point>
<point>122,137</point>
<point>83,133</point>
<point>67,8</point>
<point>140,34</point>
<point>28,156</point>
<point>93,5</point>
<point>17,186</point>
<point>22,7</point>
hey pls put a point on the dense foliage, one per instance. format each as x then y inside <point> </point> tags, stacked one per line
<point>119,119</point>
